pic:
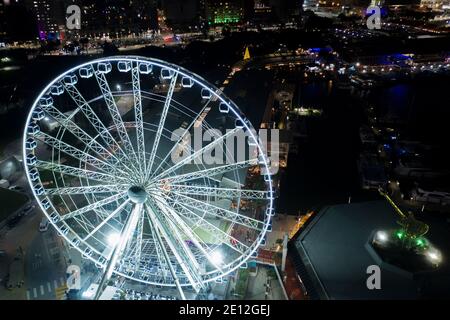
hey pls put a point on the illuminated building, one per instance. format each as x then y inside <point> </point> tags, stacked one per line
<point>16,22</point>
<point>184,14</point>
<point>49,16</point>
<point>224,12</point>
<point>333,250</point>
<point>2,21</point>
<point>118,18</point>
<point>262,11</point>
<point>310,4</point>
<point>435,4</point>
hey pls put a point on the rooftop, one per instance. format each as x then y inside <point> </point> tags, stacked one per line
<point>11,202</point>
<point>334,255</point>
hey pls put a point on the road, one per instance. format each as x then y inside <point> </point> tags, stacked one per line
<point>44,261</point>
<point>44,253</point>
<point>45,266</point>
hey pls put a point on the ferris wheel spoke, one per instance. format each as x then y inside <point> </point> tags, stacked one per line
<point>196,154</point>
<point>133,249</point>
<point>90,142</point>
<point>139,237</point>
<point>77,172</point>
<point>186,131</point>
<point>93,206</point>
<point>162,214</point>
<point>182,261</point>
<point>216,192</point>
<point>218,212</point>
<point>107,219</point>
<point>77,153</point>
<point>162,121</point>
<point>138,116</point>
<point>115,114</point>
<point>171,214</point>
<point>215,232</point>
<point>123,171</point>
<point>97,124</point>
<point>210,172</point>
<point>103,213</point>
<point>85,224</point>
<point>159,244</point>
<point>101,188</point>
<point>118,249</point>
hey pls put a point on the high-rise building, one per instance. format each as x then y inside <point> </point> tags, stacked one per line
<point>285,10</point>
<point>224,11</point>
<point>117,18</point>
<point>143,15</point>
<point>50,15</point>
<point>182,14</point>
<point>17,23</point>
<point>271,10</point>
<point>201,14</point>
<point>435,4</point>
<point>2,21</point>
<point>310,4</point>
<point>263,11</point>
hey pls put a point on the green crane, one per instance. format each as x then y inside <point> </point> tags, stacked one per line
<point>412,231</point>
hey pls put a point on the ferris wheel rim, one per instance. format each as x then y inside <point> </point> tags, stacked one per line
<point>201,82</point>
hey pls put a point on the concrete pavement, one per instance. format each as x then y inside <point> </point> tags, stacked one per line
<point>44,262</point>
<point>257,286</point>
<point>45,266</point>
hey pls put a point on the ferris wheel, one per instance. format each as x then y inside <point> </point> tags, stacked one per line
<point>109,156</point>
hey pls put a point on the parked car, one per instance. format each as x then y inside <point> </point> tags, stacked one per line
<point>4,183</point>
<point>28,209</point>
<point>436,197</point>
<point>43,226</point>
<point>16,188</point>
<point>16,275</point>
<point>13,221</point>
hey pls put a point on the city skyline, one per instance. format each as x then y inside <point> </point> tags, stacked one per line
<point>231,150</point>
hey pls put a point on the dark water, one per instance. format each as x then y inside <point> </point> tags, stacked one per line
<point>423,104</point>
<point>325,170</point>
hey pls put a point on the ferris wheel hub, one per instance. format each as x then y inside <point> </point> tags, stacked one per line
<point>137,194</point>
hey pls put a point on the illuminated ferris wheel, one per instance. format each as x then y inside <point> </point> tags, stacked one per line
<point>108,154</point>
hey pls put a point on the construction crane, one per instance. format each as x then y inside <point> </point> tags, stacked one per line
<point>412,229</point>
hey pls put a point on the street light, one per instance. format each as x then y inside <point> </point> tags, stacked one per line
<point>434,256</point>
<point>88,294</point>
<point>217,257</point>
<point>113,238</point>
<point>382,236</point>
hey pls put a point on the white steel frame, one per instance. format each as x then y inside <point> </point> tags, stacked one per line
<point>187,214</point>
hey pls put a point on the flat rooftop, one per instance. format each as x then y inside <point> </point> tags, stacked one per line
<point>334,255</point>
<point>11,201</point>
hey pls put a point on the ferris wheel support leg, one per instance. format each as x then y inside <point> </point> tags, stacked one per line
<point>162,122</point>
<point>177,253</point>
<point>125,236</point>
<point>166,256</point>
<point>176,220</point>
